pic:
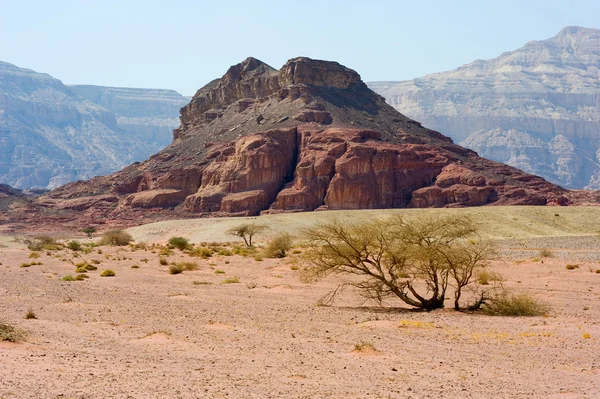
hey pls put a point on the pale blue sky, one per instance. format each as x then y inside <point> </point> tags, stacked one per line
<point>183,44</point>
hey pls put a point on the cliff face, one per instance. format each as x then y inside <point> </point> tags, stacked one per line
<point>148,116</point>
<point>536,108</point>
<point>309,136</point>
<point>49,135</point>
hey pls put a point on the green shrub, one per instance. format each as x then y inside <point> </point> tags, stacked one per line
<point>89,231</point>
<point>81,270</point>
<point>116,237</point>
<point>179,243</point>
<point>506,304</point>
<point>81,277</point>
<point>74,245</point>
<point>279,246</point>
<point>107,273</point>
<point>68,277</point>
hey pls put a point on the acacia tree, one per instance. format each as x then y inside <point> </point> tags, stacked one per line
<point>246,231</point>
<point>414,260</point>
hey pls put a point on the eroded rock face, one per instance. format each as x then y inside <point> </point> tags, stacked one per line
<point>309,137</point>
<point>536,108</point>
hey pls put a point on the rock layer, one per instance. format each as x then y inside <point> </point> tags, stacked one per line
<point>536,108</point>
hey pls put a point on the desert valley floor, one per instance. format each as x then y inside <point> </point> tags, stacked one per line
<point>244,328</point>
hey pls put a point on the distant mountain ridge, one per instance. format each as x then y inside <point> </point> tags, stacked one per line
<point>51,135</point>
<point>536,108</point>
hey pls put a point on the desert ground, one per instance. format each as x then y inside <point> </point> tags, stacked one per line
<point>146,333</point>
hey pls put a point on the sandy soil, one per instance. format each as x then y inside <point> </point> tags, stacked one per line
<point>147,334</point>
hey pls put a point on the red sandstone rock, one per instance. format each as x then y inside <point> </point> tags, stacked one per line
<point>311,136</point>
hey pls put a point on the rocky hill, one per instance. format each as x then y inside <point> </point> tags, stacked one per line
<point>50,135</point>
<point>536,108</point>
<point>147,115</point>
<point>310,136</point>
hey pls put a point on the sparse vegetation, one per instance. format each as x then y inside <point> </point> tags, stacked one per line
<point>485,277</point>
<point>219,271</point>
<point>89,231</point>
<point>74,245</point>
<point>571,267</point>
<point>30,314</point>
<point>34,255</point>
<point>163,261</point>
<point>279,246</point>
<point>135,266</point>
<point>195,282</point>
<point>247,231</point>
<point>231,280</point>
<point>107,273</point>
<point>116,237</point>
<point>201,252</point>
<point>507,304</point>
<point>433,252</point>
<point>180,267</point>
<point>179,243</point>
<point>364,347</point>
<point>68,277</point>
<point>40,243</point>
<point>10,333</point>
<point>546,253</point>
<point>81,277</point>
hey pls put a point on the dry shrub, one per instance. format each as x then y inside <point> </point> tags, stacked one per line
<point>279,246</point>
<point>10,333</point>
<point>509,304</point>
<point>415,261</point>
<point>116,237</point>
<point>107,273</point>
<point>546,253</point>
<point>180,243</point>
<point>485,277</point>
<point>201,252</point>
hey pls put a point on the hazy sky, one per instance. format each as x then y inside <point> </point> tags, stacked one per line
<point>183,44</point>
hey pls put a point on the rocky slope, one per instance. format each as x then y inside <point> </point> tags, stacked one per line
<point>536,108</point>
<point>49,135</point>
<point>147,115</point>
<point>309,136</point>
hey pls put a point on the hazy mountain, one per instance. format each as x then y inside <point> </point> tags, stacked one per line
<point>148,115</point>
<point>50,135</point>
<point>536,108</point>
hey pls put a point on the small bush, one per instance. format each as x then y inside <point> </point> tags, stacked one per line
<point>201,282</point>
<point>107,273</point>
<point>135,267</point>
<point>30,314</point>
<point>163,261</point>
<point>81,277</point>
<point>68,277</point>
<point>179,243</point>
<point>74,245</point>
<point>201,252</point>
<point>279,246</point>
<point>571,267</point>
<point>10,333</point>
<point>219,271</point>
<point>546,253</point>
<point>224,252</point>
<point>189,266</point>
<point>43,243</point>
<point>89,231</point>
<point>34,255</point>
<point>26,264</point>
<point>364,347</point>
<point>485,277</point>
<point>116,237</point>
<point>506,304</point>
<point>81,269</point>
<point>231,280</point>
<point>175,269</point>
